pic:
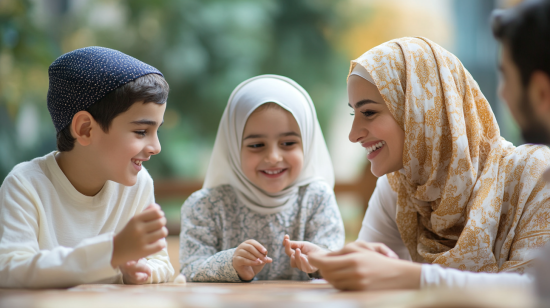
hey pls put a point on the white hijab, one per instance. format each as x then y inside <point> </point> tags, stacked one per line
<point>225,164</point>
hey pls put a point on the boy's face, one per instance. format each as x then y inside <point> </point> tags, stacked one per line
<point>271,151</point>
<point>511,90</point>
<point>131,140</point>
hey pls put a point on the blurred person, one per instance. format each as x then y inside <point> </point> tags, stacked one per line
<point>86,213</point>
<point>270,174</point>
<point>464,205</point>
<point>524,34</point>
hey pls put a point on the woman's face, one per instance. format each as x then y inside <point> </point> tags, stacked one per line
<point>374,127</point>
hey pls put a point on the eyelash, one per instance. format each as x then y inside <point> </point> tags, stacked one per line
<point>259,145</point>
<point>367,113</point>
<point>140,133</point>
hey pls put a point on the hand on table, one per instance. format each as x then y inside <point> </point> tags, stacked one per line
<point>298,252</point>
<point>249,259</point>
<point>366,266</point>
<point>142,236</point>
<point>135,272</point>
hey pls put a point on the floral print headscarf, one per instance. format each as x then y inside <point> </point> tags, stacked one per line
<point>467,198</point>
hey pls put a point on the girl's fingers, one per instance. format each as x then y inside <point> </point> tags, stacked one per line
<point>253,250</point>
<point>240,261</point>
<point>289,251</point>
<point>245,254</point>
<point>156,235</point>
<point>293,261</point>
<point>261,249</point>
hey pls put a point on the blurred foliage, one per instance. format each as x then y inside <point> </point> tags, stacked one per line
<point>205,48</point>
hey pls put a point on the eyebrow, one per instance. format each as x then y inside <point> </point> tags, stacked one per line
<point>280,135</point>
<point>363,102</point>
<point>146,122</point>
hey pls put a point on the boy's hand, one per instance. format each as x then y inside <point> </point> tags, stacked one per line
<point>298,252</point>
<point>142,236</point>
<point>249,259</point>
<point>135,272</point>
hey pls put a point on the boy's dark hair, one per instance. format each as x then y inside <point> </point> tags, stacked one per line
<point>525,30</point>
<point>151,88</point>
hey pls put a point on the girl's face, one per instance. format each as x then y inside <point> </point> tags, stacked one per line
<point>374,127</point>
<point>271,151</point>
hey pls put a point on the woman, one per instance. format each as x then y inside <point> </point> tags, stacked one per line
<point>452,193</point>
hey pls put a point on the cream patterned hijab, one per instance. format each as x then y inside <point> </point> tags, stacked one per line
<point>225,164</point>
<point>467,198</point>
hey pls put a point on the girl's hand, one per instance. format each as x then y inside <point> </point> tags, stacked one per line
<point>135,272</point>
<point>358,268</point>
<point>298,252</point>
<point>249,259</point>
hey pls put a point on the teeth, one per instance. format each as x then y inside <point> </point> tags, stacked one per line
<point>273,171</point>
<point>375,147</point>
<point>137,162</point>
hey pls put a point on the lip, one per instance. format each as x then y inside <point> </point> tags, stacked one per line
<point>372,155</point>
<point>273,176</point>
<point>136,166</point>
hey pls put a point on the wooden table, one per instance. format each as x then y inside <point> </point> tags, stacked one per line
<point>263,294</point>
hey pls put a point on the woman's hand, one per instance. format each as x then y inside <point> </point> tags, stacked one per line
<point>359,245</point>
<point>363,266</point>
<point>249,259</point>
<point>298,252</point>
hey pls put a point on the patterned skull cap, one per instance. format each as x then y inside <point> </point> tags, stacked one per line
<point>81,77</point>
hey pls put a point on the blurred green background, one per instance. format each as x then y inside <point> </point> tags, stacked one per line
<point>205,48</point>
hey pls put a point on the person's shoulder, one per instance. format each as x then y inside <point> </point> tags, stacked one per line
<point>29,171</point>
<point>529,153</point>
<point>223,194</point>
<point>317,188</point>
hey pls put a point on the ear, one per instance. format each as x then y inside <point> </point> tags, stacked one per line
<point>539,93</point>
<point>82,127</point>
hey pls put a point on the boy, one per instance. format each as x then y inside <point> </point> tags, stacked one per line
<point>86,213</point>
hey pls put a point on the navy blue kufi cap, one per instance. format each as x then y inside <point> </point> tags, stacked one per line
<point>81,77</point>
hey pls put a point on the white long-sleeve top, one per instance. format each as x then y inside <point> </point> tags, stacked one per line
<point>53,236</point>
<point>379,226</point>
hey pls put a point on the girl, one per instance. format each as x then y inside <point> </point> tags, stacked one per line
<point>452,193</point>
<point>270,174</point>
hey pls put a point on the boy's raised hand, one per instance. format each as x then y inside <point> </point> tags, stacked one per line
<point>249,259</point>
<point>298,252</point>
<point>135,272</point>
<point>142,236</point>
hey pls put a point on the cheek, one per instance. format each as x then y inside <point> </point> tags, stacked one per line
<point>295,159</point>
<point>249,161</point>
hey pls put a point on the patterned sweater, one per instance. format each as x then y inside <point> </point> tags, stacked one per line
<point>214,222</point>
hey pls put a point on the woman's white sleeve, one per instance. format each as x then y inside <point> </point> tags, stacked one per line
<point>379,223</point>
<point>434,275</point>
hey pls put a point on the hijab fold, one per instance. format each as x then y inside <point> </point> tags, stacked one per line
<point>467,198</point>
<point>225,164</point>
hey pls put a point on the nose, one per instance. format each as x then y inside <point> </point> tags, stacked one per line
<point>153,148</point>
<point>357,132</point>
<point>274,155</point>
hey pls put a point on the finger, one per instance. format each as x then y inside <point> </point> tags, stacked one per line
<point>258,246</point>
<point>286,238</point>
<point>386,251</point>
<point>156,235</point>
<point>348,284</point>
<point>245,254</point>
<point>150,214</point>
<point>154,247</point>
<point>253,250</point>
<point>141,276</point>
<point>154,225</point>
<point>289,251</point>
<point>293,261</point>
<point>152,206</point>
<point>142,267</point>
<point>240,261</point>
<point>306,266</point>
